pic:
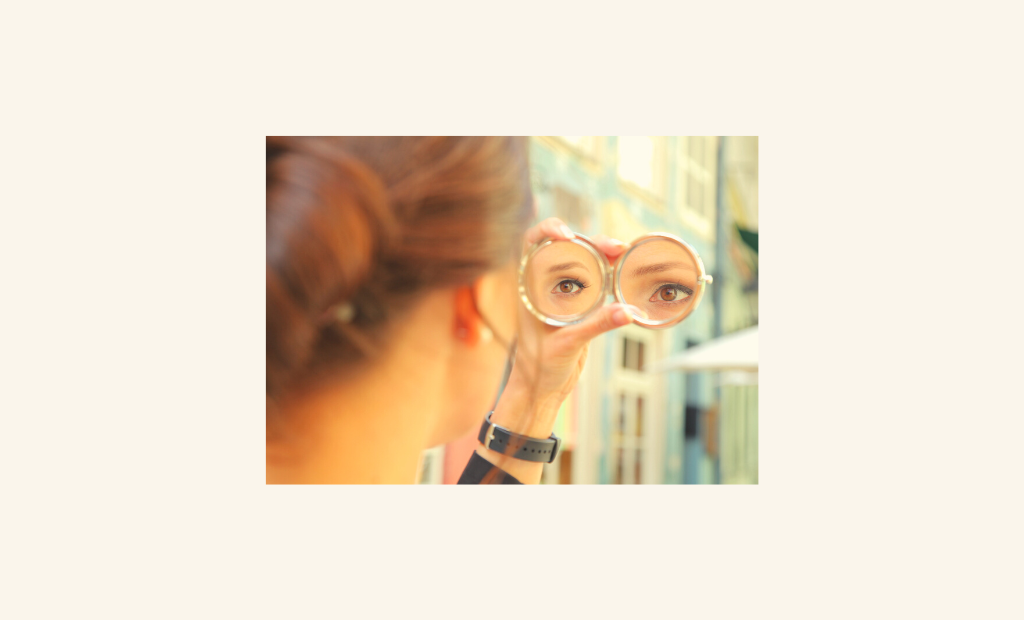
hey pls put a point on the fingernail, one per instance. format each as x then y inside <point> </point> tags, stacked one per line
<point>637,312</point>
<point>568,234</point>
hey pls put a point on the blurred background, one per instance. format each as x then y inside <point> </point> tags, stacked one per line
<point>675,406</point>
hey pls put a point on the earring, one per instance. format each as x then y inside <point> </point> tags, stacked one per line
<point>345,313</point>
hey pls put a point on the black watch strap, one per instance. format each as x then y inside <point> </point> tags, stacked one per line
<point>527,448</point>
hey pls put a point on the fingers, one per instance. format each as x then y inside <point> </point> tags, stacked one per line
<point>604,320</point>
<point>612,248</point>
<point>555,228</point>
<point>551,227</point>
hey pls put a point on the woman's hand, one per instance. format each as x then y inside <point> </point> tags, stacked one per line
<point>549,360</point>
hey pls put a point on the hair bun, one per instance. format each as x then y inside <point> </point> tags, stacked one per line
<point>327,219</point>
<point>359,228</point>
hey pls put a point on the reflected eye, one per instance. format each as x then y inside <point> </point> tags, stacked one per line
<point>671,293</point>
<point>569,287</point>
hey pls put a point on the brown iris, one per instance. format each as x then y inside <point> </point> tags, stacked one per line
<point>566,287</point>
<point>669,294</point>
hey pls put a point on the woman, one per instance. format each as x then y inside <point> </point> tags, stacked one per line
<point>392,306</point>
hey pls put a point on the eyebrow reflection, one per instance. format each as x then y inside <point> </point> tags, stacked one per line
<point>658,268</point>
<point>564,266</point>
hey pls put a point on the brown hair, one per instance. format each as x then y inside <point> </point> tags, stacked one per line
<point>367,224</point>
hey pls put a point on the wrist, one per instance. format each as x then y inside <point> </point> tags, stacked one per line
<point>522,412</point>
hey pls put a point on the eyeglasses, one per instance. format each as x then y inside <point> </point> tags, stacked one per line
<point>562,282</point>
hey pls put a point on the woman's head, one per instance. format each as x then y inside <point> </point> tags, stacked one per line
<point>361,230</point>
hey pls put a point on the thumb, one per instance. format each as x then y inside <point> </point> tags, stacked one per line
<point>604,320</point>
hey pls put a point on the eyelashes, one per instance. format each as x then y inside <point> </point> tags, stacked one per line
<point>671,293</point>
<point>569,287</point>
<point>668,293</point>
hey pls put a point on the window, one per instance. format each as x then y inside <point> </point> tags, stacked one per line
<point>638,452</point>
<point>619,439</point>
<point>636,409</point>
<point>690,426</point>
<point>642,163</point>
<point>696,156</point>
<point>619,465</point>
<point>627,440</point>
<point>639,416</point>
<point>632,354</point>
<point>636,160</point>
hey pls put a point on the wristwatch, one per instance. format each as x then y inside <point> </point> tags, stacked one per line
<point>523,448</point>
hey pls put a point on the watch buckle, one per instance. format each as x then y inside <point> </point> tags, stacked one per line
<point>489,437</point>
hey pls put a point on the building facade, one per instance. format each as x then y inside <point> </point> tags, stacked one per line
<point>622,425</point>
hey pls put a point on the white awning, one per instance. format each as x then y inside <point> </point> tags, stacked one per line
<point>736,351</point>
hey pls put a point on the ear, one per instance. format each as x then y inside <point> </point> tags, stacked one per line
<point>468,324</point>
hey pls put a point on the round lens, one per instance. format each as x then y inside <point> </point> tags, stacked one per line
<point>564,281</point>
<point>659,276</point>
